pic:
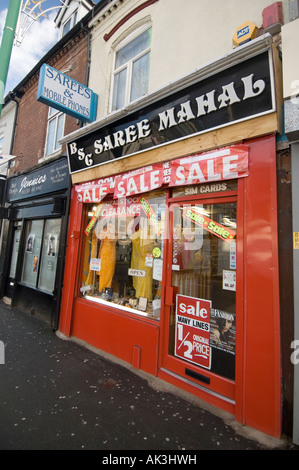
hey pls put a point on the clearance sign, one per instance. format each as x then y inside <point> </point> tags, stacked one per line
<point>192,341</point>
<point>223,164</point>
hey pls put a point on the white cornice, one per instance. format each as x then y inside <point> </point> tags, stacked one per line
<point>112,6</point>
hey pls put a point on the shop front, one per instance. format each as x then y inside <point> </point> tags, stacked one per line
<point>172,259</point>
<point>34,240</point>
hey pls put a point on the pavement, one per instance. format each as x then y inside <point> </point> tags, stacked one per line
<point>59,394</point>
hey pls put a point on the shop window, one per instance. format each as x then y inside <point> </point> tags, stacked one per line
<point>123,254</point>
<point>204,268</point>
<point>41,252</point>
<point>55,130</point>
<point>1,142</point>
<point>15,249</point>
<point>131,70</point>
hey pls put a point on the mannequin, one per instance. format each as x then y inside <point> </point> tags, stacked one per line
<point>107,254</point>
<point>141,246</point>
<point>123,258</point>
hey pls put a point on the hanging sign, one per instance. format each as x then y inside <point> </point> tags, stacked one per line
<point>192,341</point>
<point>227,163</point>
<point>126,184</point>
<point>238,93</point>
<point>139,181</point>
<point>223,164</point>
<point>195,215</point>
<point>89,192</point>
<point>65,94</point>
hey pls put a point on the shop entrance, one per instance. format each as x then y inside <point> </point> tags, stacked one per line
<point>200,324</point>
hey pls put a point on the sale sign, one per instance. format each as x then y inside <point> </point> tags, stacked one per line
<point>223,164</point>
<point>195,215</point>
<point>192,341</point>
<point>139,181</point>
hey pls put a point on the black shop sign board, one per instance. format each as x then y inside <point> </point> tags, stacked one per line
<point>47,179</point>
<point>238,93</point>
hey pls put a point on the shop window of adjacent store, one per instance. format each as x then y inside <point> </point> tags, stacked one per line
<point>131,70</point>
<point>55,130</point>
<point>40,254</point>
<point>123,254</point>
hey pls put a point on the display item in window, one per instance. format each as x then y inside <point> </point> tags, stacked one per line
<point>123,259</point>
<point>107,255</point>
<point>142,246</point>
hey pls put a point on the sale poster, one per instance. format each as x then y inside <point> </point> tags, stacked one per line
<point>192,341</point>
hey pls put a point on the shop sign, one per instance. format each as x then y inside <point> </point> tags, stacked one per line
<point>61,92</point>
<point>238,93</point>
<point>50,178</point>
<point>126,184</point>
<point>192,341</point>
<point>139,181</point>
<point>201,220</point>
<point>226,163</point>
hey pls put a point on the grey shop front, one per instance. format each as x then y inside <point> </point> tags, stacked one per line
<point>34,240</point>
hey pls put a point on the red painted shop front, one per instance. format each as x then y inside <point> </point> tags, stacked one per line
<point>172,256</point>
<point>180,279</point>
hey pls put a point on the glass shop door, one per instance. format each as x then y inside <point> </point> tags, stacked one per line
<point>200,328</point>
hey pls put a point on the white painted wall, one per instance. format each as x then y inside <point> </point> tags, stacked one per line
<point>186,35</point>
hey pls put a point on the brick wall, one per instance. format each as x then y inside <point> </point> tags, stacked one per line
<point>31,128</point>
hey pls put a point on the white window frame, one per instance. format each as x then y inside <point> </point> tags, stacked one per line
<point>72,19</point>
<point>128,65</point>
<point>51,117</point>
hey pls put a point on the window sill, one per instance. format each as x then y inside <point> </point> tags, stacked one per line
<point>121,308</point>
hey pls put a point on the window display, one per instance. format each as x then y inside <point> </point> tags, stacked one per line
<point>32,252</point>
<point>41,252</point>
<point>123,253</point>
<point>49,255</point>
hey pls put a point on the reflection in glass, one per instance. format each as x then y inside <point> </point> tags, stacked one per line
<point>204,267</point>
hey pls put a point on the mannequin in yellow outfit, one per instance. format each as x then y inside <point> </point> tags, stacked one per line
<point>142,246</point>
<point>107,254</point>
<point>93,254</point>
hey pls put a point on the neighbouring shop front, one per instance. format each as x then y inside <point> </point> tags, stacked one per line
<point>34,240</point>
<point>172,259</point>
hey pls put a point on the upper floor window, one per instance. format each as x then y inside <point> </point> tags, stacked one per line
<point>55,130</point>
<point>69,23</point>
<point>131,70</point>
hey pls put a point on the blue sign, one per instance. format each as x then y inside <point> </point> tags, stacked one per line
<point>66,94</point>
<point>242,32</point>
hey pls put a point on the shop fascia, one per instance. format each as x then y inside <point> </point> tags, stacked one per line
<point>240,92</point>
<point>171,117</point>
